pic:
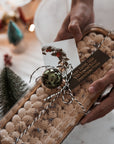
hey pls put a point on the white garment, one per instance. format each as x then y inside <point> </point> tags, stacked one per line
<point>49,18</point>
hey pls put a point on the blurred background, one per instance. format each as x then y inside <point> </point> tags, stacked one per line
<point>39,21</point>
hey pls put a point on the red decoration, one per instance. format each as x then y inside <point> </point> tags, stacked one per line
<point>48,49</point>
<point>7,60</point>
<point>58,54</point>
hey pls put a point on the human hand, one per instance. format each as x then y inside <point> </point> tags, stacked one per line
<point>107,104</point>
<point>80,16</point>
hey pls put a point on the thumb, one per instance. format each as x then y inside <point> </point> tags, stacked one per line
<point>102,83</point>
<point>63,32</point>
<point>74,28</point>
<point>101,110</point>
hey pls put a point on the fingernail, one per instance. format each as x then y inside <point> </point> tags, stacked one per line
<point>91,89</point>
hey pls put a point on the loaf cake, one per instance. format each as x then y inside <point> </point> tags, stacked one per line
<point>23,125</point>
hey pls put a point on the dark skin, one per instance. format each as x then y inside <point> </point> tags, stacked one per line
<point>81,15</point>
<point>106,104</point>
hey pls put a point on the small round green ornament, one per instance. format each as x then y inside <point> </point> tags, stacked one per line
<point>52,78</point>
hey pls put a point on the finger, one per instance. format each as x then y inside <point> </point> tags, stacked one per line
<point>101,110</point>
<point>74,28</point>
<point>63,32</point>
<point>63,35</point>
<point>102,83</point>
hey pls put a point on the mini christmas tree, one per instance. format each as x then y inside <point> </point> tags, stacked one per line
<point>14,33</point>
<point>15,37</point>
<point>12,88</point>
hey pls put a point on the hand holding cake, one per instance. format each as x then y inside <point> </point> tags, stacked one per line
<point>107,104</point>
